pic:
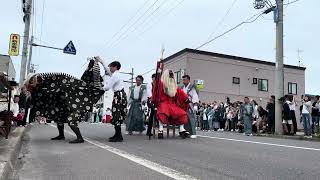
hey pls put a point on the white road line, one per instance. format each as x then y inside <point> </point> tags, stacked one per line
<point>262,143</point>
<point>139,160</point>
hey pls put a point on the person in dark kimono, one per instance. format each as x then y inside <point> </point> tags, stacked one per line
<point>64,98</point>
<point>137,100</point>
<point>119,103</point>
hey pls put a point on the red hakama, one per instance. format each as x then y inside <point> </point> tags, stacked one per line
<point>172,109</point>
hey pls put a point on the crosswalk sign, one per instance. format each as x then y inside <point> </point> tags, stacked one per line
<point>70,49</point>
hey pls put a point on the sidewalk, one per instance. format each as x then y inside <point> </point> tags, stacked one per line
<point>9,151</point>
<point>298,136</point>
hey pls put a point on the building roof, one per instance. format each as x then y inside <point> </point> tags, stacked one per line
<point>238,58</point>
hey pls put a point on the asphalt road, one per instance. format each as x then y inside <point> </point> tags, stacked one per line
<point>214,155</point>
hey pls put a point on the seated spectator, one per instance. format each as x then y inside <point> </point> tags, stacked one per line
<point>262,121</point>
<point>17,116</point>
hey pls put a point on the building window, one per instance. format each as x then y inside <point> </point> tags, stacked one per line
<point>236,80</point>
<point>254,81</point>
<point>263,85</point>
<point>292,88</point>
<point>177,76</point>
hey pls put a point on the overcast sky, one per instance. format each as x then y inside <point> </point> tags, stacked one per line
<point>92,24</point>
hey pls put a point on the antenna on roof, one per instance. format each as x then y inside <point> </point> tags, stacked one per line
<point>300,64</point>
<point>162,52</point>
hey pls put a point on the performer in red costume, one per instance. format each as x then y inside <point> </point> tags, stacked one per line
<point>172,103</point>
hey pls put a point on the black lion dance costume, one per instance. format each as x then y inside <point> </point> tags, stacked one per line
<point>64,98</point>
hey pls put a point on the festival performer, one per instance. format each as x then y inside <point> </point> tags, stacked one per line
<point>137,100</point>
<point>119,103</point>
<point>173,104</point>
<point>191,91</point>
<point>64,98</point>
<point>151,107</point>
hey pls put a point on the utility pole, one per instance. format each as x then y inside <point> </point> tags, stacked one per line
<point>277,10</point>
<point>30,56</point>
<point>132,77</point>
<point>279,73</point>
<point>27,7</point>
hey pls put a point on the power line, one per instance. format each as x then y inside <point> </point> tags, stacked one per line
<point>165,14</point>
<point>43,8</point>
<point>140,24</point>
<point>291,2</point>
<point>128,22</point>
<point>42,41</point>
<point>223,19</point>
<point>257,16</point>
<point>147,72</point>
<point>135,22</point>
<point>254,17</point>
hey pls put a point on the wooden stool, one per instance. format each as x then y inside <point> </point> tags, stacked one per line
<point>173,130</point>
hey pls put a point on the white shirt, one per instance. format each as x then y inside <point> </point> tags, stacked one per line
<point>193,93</point>
<point>204,115</point>
<point>318,106</point>
<point>255,111</point>
<point>108,113</point>
<point>306,109</point>
<point>292,105</point>
<point>149,89</point>
<point>136,93</point>
<point>114,83</point>
<point>15,109</point>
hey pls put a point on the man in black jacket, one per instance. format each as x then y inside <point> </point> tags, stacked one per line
<point>271,114</point>
<point>153,112</point>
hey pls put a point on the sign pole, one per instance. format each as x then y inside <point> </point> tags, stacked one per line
<point>25,41</point>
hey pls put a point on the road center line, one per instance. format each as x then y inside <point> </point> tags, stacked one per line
<point>262,143</point>
<point>139,160</point>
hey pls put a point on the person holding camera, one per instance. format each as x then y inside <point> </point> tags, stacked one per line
<point>316,115</point>
<point>287,117</point>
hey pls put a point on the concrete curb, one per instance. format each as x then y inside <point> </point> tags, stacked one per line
<point>296,137</point>
<point>10,150</point>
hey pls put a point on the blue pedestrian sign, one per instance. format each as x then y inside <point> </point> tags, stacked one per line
<point>70,49</point>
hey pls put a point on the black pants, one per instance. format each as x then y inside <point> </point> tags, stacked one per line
<point>151,119</point>
<point>74,127</point>
<point>271,124</point>
<point>222,123</point>
<point>294,122</point>
<point>232,124</point>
